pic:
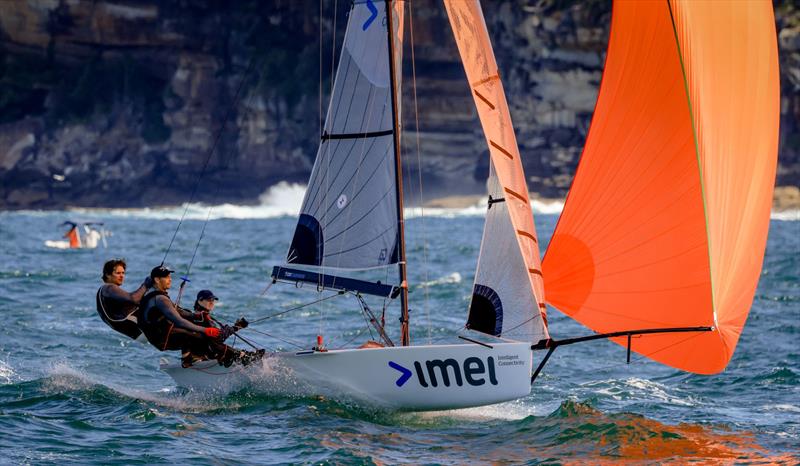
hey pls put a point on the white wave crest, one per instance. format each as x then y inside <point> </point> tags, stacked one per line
<point>282,199</point>
<point>643,389</point>
<point>454,277</point>
<point>285,200</point>
<point>7,374</point>
<point>63,377</point>
<point>786,215</point>
<point>479,209</point>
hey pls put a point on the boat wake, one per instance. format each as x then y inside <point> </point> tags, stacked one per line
<point>7,374</point>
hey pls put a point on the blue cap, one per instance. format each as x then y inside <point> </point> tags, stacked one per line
<point>205,295</point>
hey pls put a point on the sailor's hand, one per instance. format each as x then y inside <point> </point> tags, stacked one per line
<point>148,282</point>
<point>226,331</point>
<point>212,332</point>
<point>241,323</point>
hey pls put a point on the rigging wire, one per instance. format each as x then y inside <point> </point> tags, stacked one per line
<point>290,342</point>
<point>208,157</point>
<point>425,301</point>
<point>297,307</point>
<point>323,314</point>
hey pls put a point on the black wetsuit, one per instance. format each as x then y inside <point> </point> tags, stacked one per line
<point>117,308</point>
<point>167,329</point>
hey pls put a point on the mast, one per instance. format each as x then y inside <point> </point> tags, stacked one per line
<point>401,237</point>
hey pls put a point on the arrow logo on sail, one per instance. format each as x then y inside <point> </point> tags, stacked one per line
<point>372,17</point>
<point>406,374</point>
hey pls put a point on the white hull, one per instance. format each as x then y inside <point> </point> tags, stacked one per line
<point>65,245</point>
<point>406,378</point>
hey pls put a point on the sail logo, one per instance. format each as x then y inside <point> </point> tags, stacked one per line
<point>342,201</point>
<point>473,371</point>
<point>373,13</point>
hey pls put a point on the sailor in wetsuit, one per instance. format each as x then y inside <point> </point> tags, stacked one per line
<point>115,305</point>
<point>169,328</point>
<point>203,306</point>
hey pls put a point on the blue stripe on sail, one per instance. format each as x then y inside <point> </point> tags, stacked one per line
<point>485,311</point>
<point>307,243</point>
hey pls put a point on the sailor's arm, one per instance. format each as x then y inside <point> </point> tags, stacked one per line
<point>168,309</point>
<point>116,293</point>
<point>139,293</point>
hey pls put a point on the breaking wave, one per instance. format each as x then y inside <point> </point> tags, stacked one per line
<point>284,200</point>
<point>791,215</point>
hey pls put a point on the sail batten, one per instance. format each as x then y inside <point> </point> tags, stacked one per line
<point>666,220</point>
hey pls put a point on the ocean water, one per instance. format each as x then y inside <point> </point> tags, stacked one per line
<point>74,392</point>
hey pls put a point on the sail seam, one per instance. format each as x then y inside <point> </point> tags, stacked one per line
<point>366,214</point>
<point>355,195</point>
<point>699,162</point>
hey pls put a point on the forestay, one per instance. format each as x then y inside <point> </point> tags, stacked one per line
<point>349,214</point>
<point>508,295</point>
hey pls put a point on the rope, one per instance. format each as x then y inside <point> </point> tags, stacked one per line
<point>297,307</point>
<point>277,338</point>
<point>208,159</point>
<point>419,173</point>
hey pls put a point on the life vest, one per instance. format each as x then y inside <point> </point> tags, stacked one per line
<point>119,316</point>
<point>152,322</point>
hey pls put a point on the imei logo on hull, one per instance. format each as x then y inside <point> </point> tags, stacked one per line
<point>448,371</point>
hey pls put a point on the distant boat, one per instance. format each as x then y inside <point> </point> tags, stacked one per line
<point>81,235</point>
<point>659,245</point>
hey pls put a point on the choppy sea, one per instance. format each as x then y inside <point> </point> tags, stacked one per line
<point>74,392</point>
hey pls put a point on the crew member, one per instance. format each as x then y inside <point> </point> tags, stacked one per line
<point>203,306</point>
<point>167,329</point>
<point>116,306</point>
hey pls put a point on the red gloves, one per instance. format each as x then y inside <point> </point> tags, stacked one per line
<point>212,332</point>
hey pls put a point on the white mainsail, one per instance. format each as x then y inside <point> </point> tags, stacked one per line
<point>349,215</point>
<point>508,296</point>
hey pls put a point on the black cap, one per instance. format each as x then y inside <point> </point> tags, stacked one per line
<point>206,295</point>
<point>160,271</point>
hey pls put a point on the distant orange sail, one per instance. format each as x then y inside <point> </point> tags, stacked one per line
<point>666,222</point>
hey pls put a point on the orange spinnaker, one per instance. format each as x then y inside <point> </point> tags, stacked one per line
<point>666,222</point>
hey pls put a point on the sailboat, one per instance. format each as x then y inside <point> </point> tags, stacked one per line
<point>82,235</point>
<point>659,245</point>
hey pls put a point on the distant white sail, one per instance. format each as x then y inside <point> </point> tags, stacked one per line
<point>349,213</point>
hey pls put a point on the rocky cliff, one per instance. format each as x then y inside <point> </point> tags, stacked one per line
<point>122,102</point>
